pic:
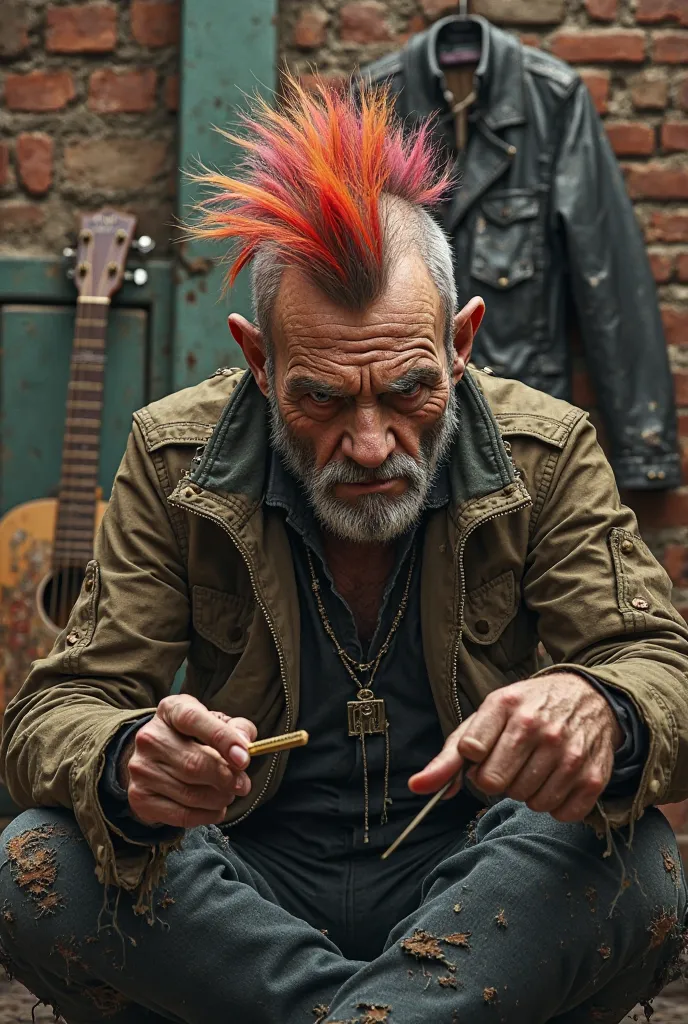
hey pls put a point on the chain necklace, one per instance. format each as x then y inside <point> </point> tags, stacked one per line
<point>366,715</point>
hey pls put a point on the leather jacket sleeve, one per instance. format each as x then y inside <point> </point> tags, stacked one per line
<point>616,302</point>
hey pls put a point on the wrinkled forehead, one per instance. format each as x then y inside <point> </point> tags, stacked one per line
<point>405,321</point>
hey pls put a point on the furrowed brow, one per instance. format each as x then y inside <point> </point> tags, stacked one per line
<point>419,375</point>
<point>296,386</point>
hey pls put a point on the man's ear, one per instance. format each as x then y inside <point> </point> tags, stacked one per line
<point>250,341</point>
<point>466,324</point>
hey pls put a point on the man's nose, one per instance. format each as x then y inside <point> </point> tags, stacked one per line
<point>369,440</point>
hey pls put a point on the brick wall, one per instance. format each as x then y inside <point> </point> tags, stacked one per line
<point>88,94</point>
<point>633,56</point>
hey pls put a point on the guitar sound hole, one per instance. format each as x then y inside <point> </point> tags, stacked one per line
<point>59,594</point>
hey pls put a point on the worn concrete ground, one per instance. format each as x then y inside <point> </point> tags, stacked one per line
<point>16,1005</point>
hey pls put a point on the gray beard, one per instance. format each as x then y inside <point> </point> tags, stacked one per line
<point>372,518</point>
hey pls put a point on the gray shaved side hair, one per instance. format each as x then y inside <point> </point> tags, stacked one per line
<point>404,226</point>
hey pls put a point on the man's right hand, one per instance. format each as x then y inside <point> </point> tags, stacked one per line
<point>184,767</point>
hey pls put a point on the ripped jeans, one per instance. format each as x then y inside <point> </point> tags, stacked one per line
<point>524,921</point>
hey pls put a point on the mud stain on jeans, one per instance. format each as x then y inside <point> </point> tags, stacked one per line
<point>33,865</point>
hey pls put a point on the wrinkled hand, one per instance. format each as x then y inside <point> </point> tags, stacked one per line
<point>184,767</point>
<point>548,742</point>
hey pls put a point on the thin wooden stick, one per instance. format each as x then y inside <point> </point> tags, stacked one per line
<point>274,743</point>
<point>432,802</point>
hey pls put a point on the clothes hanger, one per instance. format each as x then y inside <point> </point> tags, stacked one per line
<point>459,39</point>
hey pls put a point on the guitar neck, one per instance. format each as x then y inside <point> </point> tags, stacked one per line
<point>81,448</point>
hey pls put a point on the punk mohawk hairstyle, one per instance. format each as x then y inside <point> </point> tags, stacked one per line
<point>310,184</point>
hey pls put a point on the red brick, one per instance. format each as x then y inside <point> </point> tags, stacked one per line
<point>364,21</point>
<point>34,155</point>
<point>662,264</point>
<point>683,426</point>
<point>122,92</point>
<point>675,562</point>
<point>118,163</point>
<point>675,320</point>
<point>682,267</point>
<point>39,90</point>
<point>675,135</point>
<point>20,218</point>
<point>415,24</point>
<point>600,45</point>
<point>155,23</point>
<point>520,12</point>
<point>433,9</point>
<point>660,509</point>
<point>14,37</point>
<point>650,11</point>
<point>598,86</point>
<point>670,47</point>
<point>86,28</point>
<point>650,90</point>
<point>530,39</point>
<point>682,94</point>
<point>667,226</point>
<point>310,28</point>
<point>4,164</point>
<point>631,138</point>
<point>602,10</point>
<point>171,92</point>
<point>656,181</point>
<point>681,391</point>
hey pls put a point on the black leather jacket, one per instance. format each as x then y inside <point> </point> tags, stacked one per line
<point>542,220</point>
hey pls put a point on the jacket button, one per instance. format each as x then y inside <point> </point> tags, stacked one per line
<point>188,493</point>
<point>661,474</point>
<point>651,475</point>
<point>72,637</point>
<point>488,370</point>
<point>482,626</point>
<point>640,603</point>
<point>655,786</point>
<point>511,150</point>
<point>627,546</point>
<point>503,282</point>
<point>88,583</point>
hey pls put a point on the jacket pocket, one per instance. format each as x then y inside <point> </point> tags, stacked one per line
<point>503,254</point>
<point>639,580</point>
<point>222,619</point>
<point>490,608</point>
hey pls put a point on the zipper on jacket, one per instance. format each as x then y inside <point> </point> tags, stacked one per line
<point>280,655</point>
<point>462,585</point>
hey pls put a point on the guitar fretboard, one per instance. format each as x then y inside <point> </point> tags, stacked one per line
<point>73,543</point>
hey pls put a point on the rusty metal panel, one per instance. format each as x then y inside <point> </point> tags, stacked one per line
<point>228,50</point>
<point>34,372</point>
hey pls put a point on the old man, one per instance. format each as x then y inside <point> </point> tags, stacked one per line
<point>364,537</point>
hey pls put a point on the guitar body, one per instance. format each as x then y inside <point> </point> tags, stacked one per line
<point>26,548</point>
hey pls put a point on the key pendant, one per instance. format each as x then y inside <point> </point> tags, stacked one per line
<point>366,715</point>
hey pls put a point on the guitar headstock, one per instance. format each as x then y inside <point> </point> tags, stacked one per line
<point>101,253</point>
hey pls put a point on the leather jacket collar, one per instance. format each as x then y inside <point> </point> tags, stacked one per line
<point>499,76</point>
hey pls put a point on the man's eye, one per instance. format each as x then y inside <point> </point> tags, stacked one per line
<point>320,397</point>
<point>410,390</point>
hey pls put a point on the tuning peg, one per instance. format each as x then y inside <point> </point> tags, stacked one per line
<point>138,276</point>
<point>143,244</point>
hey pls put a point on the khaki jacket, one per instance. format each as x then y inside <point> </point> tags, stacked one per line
<point>189,563</point>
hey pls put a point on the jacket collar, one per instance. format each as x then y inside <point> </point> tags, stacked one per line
<point>499,76</point>
<point>236,461</point>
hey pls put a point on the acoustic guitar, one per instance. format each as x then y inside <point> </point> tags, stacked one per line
<point>45,544</point>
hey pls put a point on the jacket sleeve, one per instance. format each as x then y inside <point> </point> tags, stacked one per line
<point>616,302</point>
<point>604,604</point>
<point>117,657</point>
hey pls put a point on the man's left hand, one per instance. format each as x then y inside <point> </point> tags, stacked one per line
<point>548,742</point>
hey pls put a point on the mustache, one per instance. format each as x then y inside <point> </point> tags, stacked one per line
<point>346,471</point>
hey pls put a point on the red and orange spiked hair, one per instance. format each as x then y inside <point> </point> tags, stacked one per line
<point>310,185</point>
